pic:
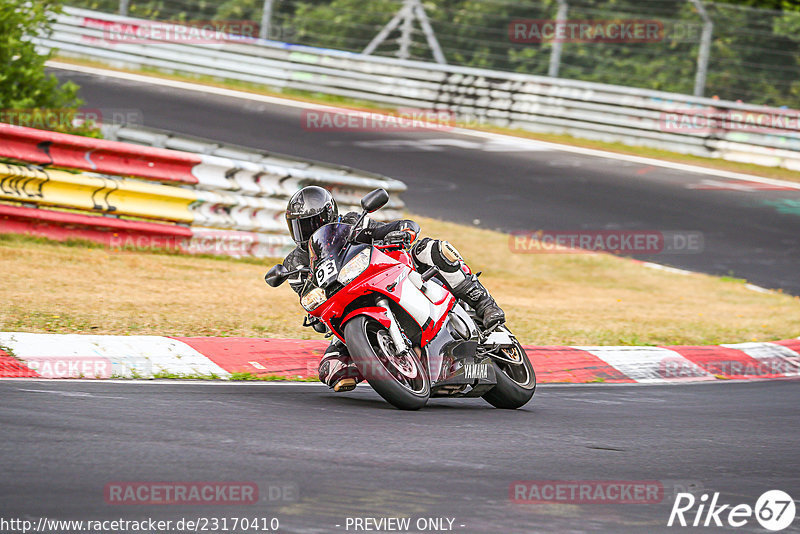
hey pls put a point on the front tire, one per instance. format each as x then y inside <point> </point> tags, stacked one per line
<point>516,383</point>
<point>401,380</point>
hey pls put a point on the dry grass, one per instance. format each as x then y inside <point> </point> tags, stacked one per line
<point>550,299</point>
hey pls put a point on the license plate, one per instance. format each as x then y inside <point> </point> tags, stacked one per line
<point>474,371</point>
<point>325,272</point>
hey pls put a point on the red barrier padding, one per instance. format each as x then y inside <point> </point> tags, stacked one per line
<point>98,155</point>
<point>567,364</point>
<point>13,368</point>
<point>110,231</point>
<point>261,357</point>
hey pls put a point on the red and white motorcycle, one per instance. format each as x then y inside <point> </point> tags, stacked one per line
<point>409,337</point>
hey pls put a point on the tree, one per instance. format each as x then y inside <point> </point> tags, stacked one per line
<point>28,95</point>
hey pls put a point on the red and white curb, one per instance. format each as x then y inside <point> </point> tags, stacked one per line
<point>24,355</point>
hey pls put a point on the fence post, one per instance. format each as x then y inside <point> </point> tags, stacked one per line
<point>410,10</point>
<point>705,49</point>
<point>555,54</point>
<point>123,7</point>
<point>266,20</point>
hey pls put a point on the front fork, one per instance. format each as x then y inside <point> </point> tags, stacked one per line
<point>394,331</point>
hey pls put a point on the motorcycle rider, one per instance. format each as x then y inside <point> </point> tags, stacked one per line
<point>312,207</point>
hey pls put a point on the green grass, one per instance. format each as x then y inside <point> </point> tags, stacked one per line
<point>270,378</point>
<point>175,376</point>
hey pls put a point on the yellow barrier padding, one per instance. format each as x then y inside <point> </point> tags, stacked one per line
<point>94,193</point>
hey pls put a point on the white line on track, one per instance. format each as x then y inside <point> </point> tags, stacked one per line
<point>534,144</point>
<point>70,393</point>
<point>684,272</point>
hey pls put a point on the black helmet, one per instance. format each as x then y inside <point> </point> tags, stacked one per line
<point>310,209</point>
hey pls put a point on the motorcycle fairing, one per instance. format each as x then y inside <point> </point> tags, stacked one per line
<point>451,353</point>
<point>375,312</point>
<point>389,277</point>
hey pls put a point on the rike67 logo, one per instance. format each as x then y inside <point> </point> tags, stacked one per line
<point>774,510</point>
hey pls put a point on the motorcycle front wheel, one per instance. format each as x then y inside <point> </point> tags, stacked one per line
<point>516,383</point>
<point>400,379</point>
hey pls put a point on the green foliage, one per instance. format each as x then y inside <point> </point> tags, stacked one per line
<point>28,95</point>
<point>341,24</point>
<point>755,53</point>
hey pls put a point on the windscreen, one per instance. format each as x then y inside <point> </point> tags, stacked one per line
<point>329,241</point>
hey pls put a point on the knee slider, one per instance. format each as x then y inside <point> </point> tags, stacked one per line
<point>449,252</point>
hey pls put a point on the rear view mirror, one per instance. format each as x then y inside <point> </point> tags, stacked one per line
<point>277,275</point>
<point>374,200</point>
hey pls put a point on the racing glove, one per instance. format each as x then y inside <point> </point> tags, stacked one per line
<point>400,237</point>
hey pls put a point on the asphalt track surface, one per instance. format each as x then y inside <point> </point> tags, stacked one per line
<point>352,455</point>
<point>751,233</point>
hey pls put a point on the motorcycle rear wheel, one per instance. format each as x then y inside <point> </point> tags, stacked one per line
<point>401,380</point>
<point>516,383</point>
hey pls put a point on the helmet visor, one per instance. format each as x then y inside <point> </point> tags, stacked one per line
<point>302,229</point>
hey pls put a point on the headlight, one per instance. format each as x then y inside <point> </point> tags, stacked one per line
<point>354,267</point>
<point>313,299</point>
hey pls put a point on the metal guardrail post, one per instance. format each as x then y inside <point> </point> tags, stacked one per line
<point>266,20</point>
<point>555,54</point>
<point>123,7</point>
<point>705,49</point>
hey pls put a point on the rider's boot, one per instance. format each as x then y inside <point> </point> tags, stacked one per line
<point>473,293</point>
<point>337,370</point>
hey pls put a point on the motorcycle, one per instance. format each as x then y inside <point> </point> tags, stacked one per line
<point>409,337</point>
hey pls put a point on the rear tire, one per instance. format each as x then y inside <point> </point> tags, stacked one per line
<point>516,384</point>
<point>366,342</point>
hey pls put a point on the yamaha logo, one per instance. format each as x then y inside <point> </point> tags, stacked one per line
<point>475,370</point>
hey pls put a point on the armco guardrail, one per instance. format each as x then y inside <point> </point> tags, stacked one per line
<point>225,167</point>
<point>76,152</point>
<point>536,103</point>
<point>94,192</point>
<point>223,200</point>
